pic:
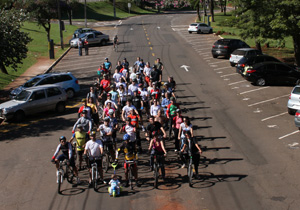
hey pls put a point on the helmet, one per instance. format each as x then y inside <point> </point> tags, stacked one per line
<point>126,137</point>
<point>111,111</point>
<point>62,138</point>
<point>106,119</point>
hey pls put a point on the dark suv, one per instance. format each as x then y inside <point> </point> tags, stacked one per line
<point>246,62</point>
<point>224,47</point>
<point>272,72</point>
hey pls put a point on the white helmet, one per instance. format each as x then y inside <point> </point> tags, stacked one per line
<point>111,111</point>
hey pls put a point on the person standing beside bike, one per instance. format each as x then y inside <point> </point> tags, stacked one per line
<point>94,150</point>
<point>67,153</point>
<point>157,148</point>
<point>106,133</point>
<point>191,148</point>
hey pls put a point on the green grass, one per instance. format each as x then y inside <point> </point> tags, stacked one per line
<point>285,54</point>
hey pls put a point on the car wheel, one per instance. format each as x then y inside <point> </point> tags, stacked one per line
<point>19,116</point>
<point>70,93</point>
<point>190,32</point>
<point>199,32</point>
<point>215,56</point>
<point>232,64</point>
<point>291,111</point>
<point>60,107</point>
<point>261,82</point>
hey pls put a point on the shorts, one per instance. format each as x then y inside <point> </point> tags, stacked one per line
<point>80,153</point>
<point>63,157</point>
<point>126,165</point>
<point>91,161</point>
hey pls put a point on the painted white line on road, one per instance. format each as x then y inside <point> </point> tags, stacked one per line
<point>249,91</point>
<point>223,68</point>
<point>219,62</point>
<point>227,75</point>
<point>272,99</point>
<point>237,82</point>
<point>274,116</point>
<point>213,66</point>
<point>207,58</point>
<point>205,48</point>
<point>282,137</point>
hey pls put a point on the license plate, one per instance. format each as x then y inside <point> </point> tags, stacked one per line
<point>218,51</point>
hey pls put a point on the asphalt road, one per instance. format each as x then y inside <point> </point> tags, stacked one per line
<point>250,143</point>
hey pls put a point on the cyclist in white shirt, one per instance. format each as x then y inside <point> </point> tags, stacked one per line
<point>132,87</point>
<point>126,109</point>
<point>154,108</point>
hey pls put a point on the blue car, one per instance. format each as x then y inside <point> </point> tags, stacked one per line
<point>65,80</point>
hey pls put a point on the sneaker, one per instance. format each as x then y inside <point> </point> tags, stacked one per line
<point>175,150</point>
<point>183,166</point>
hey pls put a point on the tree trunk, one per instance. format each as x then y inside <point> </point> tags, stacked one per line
<point>198,11</point>
<point>3,68</point>
<point>296,40</point>
<point>204,7</point>
<point>212,11</point>
<point>225,7</point>
<point>221,5</point>
<point>70,16</point>
<point>258,46</point>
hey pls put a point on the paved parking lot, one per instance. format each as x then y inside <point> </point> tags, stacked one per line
<point>268,102</point>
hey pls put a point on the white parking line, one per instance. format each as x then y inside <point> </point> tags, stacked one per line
<point>282,137</point>
<point>207,58</point>
<point>219,62</point>
<point>272,99</point>
<point>237,82</point>
<point>229,75</point>
<point>249,91</point>
<point>274,116</point>
<point>227,67</point>
<point>205,48</point>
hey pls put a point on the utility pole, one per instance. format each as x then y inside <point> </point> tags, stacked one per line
<point>60,26</point>
<point>85,21</point>
<point>114,3</point>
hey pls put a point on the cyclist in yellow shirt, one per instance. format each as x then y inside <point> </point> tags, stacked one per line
<point>94,109</point>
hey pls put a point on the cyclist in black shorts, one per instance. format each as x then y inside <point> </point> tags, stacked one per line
<point>115,41</point>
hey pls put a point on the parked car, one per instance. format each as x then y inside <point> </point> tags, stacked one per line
<point>82,31</point>
<point>95,37</point>
<point>238,54</point>
<point>34,100</point>
<point>65,80</point>
<point>272,72</point>
<point>297,119</point>
<point>200,28</point>
<point>246,62</point>
<point>224,47</point>
<point>294,101</point>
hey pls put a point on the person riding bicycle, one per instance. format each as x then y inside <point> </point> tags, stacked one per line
<point>67,154</point>
<point>94,150</point>
<point>113,123</point>
<point>115,41</point>
<point>106,132</point>
<point>154,126</point>
<point>156,147</point>
<point>84,121</point>
<point>130,154</point>
<point>191,148</point>
<point>81,138</point>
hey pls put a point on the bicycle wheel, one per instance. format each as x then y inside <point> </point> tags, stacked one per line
<point>131,178</point>
<point>95,181</point>
<point>155,172</point>
<point>105,162</point>
<point>190,174</point>
<point>59,179</point>
<point>70,175</point>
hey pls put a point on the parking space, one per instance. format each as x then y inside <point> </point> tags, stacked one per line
<point>269,102</point>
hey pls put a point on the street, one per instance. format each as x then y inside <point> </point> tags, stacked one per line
<point>250,143</point>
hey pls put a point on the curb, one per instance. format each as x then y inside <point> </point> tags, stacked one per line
<point>56,62</point>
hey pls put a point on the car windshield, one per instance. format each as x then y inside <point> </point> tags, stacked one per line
<point>32,82</point>
<point>194,24</point>
<point>222,42</point>
<point>23,96</point>
<point>239,52</point>
<point>82,35</point>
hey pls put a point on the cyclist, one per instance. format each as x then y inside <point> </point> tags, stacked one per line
<point>171,108</point>
<point>157,148</point>
<point>81,138</point>
<point>107,65</point>
<point>135,122</point>
<point>94,150</point>
<point>113,123</point>
<point>129,129</point>
<point>106,133</point>
<point>84,121</point>
<point>116,41</point>
<point>154,108</point>
<point>191,147</point>
<point>154,126</point>
<point>177,120</point>
<point>86,108</point>
<point>67,154</point>
<point>95,115</point>
<point>185,126</point>
<point>126,109</point>
<point>129,150</point>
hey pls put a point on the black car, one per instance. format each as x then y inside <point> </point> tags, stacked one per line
<point>224,47</point>
<point>272,72</point>
<point>251,60</point>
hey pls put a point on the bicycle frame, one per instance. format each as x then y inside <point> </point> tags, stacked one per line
<point>130,173</point>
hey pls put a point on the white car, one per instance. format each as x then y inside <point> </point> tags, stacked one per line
<point>95,37</point>
<point>240,53</point>
<point>200,28</point>
<point>294,100</point>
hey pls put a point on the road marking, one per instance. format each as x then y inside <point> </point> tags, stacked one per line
<point>228,67</point>
<point>146,34</point>
<point>74,105</point>
<point>205,48</point>
<point>282,137</point>
<point>249,91</point>
<point>267,118</point>
<point>272,126</point>
<point>153,54</point>
<point>151,48</point>
<point>219,72</point>
<point>237,82</point>
<point>246,99</point>
<point>148,38</point>
<point>4,131</point>
<point>294,145</point>
<point>229,75</point>
<point>185,67</point>
<point>149,43</point>
<point>219,62</point>
<point>272,99</point>
<point>158,27</point>
<point>235,88</point>
<point>131,29</point>
<point>213,66</point>
<point>257,110</point>
<point>207,58</point>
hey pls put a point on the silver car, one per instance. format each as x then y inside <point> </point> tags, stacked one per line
<point>34,100</point>
<point>297,119</point>
<point>294,100</point>
<point>238,54</point>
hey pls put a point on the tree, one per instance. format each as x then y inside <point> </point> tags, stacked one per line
<point>196,4</point>
<point>43,11</point>
<point>211,8</point>
<point>13,42</point>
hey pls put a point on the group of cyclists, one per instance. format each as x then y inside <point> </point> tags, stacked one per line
<point>129,100</point>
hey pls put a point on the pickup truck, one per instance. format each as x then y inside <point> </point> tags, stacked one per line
<point>95,37</point>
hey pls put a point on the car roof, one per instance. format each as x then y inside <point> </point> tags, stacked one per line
<point>42,87</point>
<point>50,74</point>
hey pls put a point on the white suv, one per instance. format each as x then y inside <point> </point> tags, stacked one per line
<point>294,100</point>
<point>200,28</point>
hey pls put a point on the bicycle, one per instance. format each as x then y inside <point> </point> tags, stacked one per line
<point>190,169</point>
<point>156,167</point>
<point>131,164</point>
<point>64,173</point>
<point>106,158</point>
<point>95,172</point>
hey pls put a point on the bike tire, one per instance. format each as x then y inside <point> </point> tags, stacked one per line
<point>130,178</point>
<point>105,162</point>
<point>59,182</point>
<point>155,172</point>
<point>95,183</point>
<point>70,175</point>
<point>190,174</point>
<point>114,193</point>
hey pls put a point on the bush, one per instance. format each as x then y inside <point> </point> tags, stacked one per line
<point>229,21</point>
